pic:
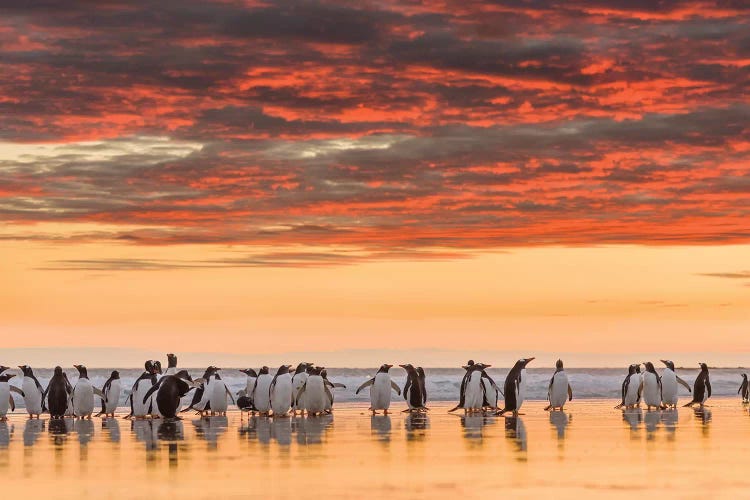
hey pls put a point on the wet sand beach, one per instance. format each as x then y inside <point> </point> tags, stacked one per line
<point>589,450</point>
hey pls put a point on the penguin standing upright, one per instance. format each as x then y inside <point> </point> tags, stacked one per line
<point>631,388</point>
<point>171,364</point>
<point>252,376</point>
<point>6,394</point>
<point>111,391</point>
<point>380,393</point>
<point>280,391</point>
<point>669,381</point>
<point>139,408</point>
<point>83,394</point>
<point>298,380</point>
<point>218,396</point>
<point>744,389</point>
<point>422,386</point>
<point>559,389</point>
<point>640,383</point>
<point>315,393</point>
<point>413,392</point>
<point>201,398</point>
<point>651,387</point>
<point>32,392</point>
<point>169,390</point>
<point>701,388</point>
<point>331,386</point>
<point>261,394</point>
<point>515,387</point>
<point>58,394</point>
<point>473,392</point>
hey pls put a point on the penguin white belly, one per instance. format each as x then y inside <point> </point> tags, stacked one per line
<point>218,396</point>
<point>298,381</point>
<point>140,409</point>
<point>380,392</point>
<point>249,384</point>
<point>473,395</point>
<point>69,410</point>
<point>154,406</point>
<point>669,387</point>
<point>172,370</point>
<point>705,393</point>
<point>113,396</point>
<point>4,398</point>
<point>281,399</point>
<point>261,397</point>
<point>315,394</point>
<point>32,396</point>
<point>490,393</point>
<point>559,391</point>
<point>83,398</point>
<point>651,394</point>
<point>631,395</point>
<point>521,394</point>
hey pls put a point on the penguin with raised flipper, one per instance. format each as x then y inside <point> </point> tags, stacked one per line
<point>701,387</point>
<point>169,390</point>
<point>201,398</point>
<point>111,391</point>
<point>515,387</point>
<point>58,394</point>
<point>380,389</point>
<point>413,392</point>
<point>331,386</point>
<point>669,381</point>
<point>559,390</point>
<point>744,389</point>
<point>6,394</point>
<point>32,392</point>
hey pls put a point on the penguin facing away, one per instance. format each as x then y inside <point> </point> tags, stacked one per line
<point>701,388</point>
<point>744,389</point>
<point>171,364</point>
<point>6,394</point>
<point>559,389</point>
<point>33,392</point>
<point>380,389</point>
<point>58,394</point>
<point>515,387</point>
<point>248,404</point>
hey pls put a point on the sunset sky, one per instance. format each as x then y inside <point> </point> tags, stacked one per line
<point>359,182</point>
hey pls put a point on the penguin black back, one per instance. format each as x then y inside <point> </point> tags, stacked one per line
<point>57,394</point>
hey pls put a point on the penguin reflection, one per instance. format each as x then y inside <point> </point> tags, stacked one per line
<point>559,421</point>
<point>281,430</point>
<point>380,427</point>
<point>703,415</point>
<point>6,433</point>
<point>473,425</point>
<point>170,430</point>
<point>669,418</point>
<point>416,425</point>
<point>144,432</point>
<point>652,419</point>
<point>310,429</point>
<point>31,431</point>
<point>85,430</point>
<point>633,417</point>
<point>515,430</point>
<point>211,428</point>
<point>112,428</point>
<point>58,430</point>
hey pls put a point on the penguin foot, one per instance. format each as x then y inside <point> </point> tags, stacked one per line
<point>548,408</point>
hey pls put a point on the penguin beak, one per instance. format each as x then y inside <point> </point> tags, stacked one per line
<point>389,366</point>
<point>403,366</point>
<point>529,360</point>
<point>663,361</point>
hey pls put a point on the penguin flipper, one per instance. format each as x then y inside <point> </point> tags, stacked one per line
<point>339,385</point>
<point>570,393</point>
<point>328,394</point>
<point>99,393</point>
<point>301,392</point>
<point>16,390</point>
<point>372,381</point>
<point>230,395</point>
<point>12,403</point>
<point>684,384</point>
<point>152,390</point>
<point>395,387</point>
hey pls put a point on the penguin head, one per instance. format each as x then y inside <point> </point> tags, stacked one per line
<point>384,368</point>
<point>744,376</point>
<point>3,368</point>
<point>420,372</point>
<point>115,375</point>
<point>559,365</point>
<point>6,377</point>
<point>631,369</point>
<point>468,364</point>
<point>263,370</point>
<point>525,361</point>
<point>316,370</point>
<point>483,366</point>
<point>26,369</point>
<point>704,367</point>
<point>171,360</point>
<point>301,367</point>
<point>649,367</point>
<point>250,372</point>
<point>283,369</point>
<point>156,367</point>
<point>637,368</point>
<point>58,371</point>
<point>82,372</point>
<point>668,363</point>
<point>149,366</point>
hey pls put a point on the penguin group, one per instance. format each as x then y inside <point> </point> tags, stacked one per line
<point>305,389</point>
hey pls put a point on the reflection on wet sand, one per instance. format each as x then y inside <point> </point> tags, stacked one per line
<point>111,427</point>
<point>380,427</point>
<point>633,417</point>
<point>416,425</point>
<point>6,433</point>
<point>211,428</point>
<point>310,430</point>
<point>31,431</point>
<point>474,423</point>
<point>144,431</point>
<point>515,430</point>
<point>85,430</point>
<point>670,418</point>
<point>651,419</point>
<point>559,420</point>
<point>703,415</point>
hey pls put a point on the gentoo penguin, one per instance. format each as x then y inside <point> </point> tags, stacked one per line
<point>58,394</point>
<point>6,396</point>
<point>280,391</point>
<point>515,387</point>
<point>669,381</point>
<point>701,388</point>
<point>380,393</point>
<point>252,375</point>
<point>314,393</point>
<point>631,388</point>
<point>413,392</point>
<point>33,392</point>
<point>331,386</point>
<point>169,390</point>
<point>201,398</point>
<point>147,379</point>
<point>83,394</point>
<point>559,389</point>
<point>261,391</point>
<point>640,383</point>
<point>218,396</point>
<point>423,386</point>
<point>651,387</point>
<point>744,389</point>
<point>473,393</point>
<point>111,391</point>
<point>298,380</point>
<point>171,364</point>
<point>244,403</point>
